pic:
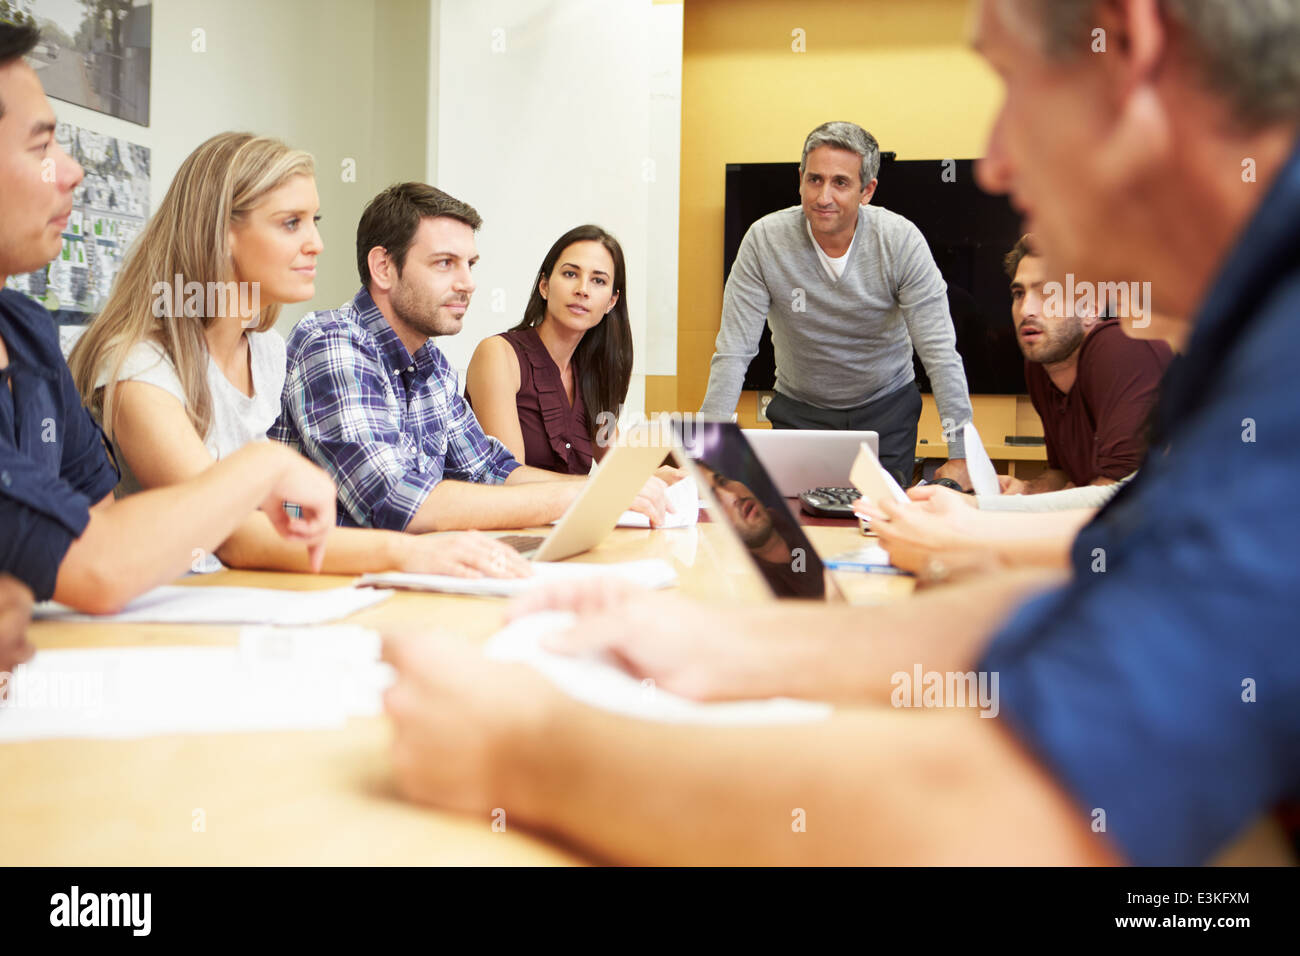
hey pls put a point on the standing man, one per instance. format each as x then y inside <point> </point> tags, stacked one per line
<point>849,290</point>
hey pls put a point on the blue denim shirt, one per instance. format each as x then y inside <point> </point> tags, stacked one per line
<point>54,462</point>
<point>1162,686</point>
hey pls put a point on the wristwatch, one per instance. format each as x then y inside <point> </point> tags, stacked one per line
<point>949,483</point>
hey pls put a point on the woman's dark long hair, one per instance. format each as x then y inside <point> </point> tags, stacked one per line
<point>604,356</point>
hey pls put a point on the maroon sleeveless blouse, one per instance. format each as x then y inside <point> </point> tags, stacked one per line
<point>555,433</point>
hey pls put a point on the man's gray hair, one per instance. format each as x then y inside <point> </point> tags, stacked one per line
<point>847,136</point>
<point>1246,50</point>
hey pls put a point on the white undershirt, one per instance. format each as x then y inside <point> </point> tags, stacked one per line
<point>834,266</point>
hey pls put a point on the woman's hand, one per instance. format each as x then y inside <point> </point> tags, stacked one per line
<point>670,474</point>
<point>652,501</point>
<point>467,554</point>
<point>933,538</point>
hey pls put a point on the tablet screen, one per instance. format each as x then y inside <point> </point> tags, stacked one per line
<point>757,512</point>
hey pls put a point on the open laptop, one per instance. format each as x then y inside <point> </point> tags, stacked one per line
<point>741,497</point>
<point>798,459</point>
<point>595,512</point>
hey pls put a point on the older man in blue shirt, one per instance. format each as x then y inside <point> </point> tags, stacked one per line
<point>1148,707</point>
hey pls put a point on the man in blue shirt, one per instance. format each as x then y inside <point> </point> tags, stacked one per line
<point>1147,709</point>
<point>374,401</point>
<point>61,532</point>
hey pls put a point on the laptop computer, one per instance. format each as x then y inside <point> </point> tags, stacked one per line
<point>594,513</point>
<point>799,459</point>
<point>741,497</point>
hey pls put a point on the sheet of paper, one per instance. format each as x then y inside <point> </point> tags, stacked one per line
<point>871,478</point>
<point>650,573</point>
<point>276,679</point>
<point>872,555</point>
<point>601,683</point>
<point>983,476</point>
<point>204,605</point>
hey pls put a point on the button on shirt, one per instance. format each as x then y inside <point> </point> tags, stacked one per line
<point>1162,686</point>
<point>54,462</point>
<point>387,425</point>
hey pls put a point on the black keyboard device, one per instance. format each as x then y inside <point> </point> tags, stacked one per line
<point>829,502</point>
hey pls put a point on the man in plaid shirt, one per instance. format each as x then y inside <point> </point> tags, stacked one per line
<point>370,398</point>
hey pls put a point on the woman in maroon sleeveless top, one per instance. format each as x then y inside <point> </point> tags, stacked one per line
<point>551,388</point>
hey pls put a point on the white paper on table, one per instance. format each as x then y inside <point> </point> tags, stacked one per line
<point>598,681</point>
<point>867,556</point>
<point>276,679</point>
<point>204,605</point>
<point>649,573</point>
<point>685,498</point>
<point>983,476</point>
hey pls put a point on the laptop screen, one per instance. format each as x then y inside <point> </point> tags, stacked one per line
<point>757,512</point>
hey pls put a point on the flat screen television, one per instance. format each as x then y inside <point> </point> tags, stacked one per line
<point>968,232</point>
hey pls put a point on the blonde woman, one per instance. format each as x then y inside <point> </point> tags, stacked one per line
<point>183,366</point>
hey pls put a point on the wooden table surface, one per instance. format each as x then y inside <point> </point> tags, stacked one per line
<point>298,797</point>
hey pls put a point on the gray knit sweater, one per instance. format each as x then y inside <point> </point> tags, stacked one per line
<point>839,344</point>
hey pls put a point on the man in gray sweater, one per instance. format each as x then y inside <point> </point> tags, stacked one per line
<point>849,290</point>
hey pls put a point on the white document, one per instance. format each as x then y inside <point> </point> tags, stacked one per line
<point>204,605</point>
<point>983,477</point>
<point>875,482</point>
<point>276,679</point>
<point>599,682</point>
<point>650,573</point>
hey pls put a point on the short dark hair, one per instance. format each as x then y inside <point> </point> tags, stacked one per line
<point>1026,245</point>
<point>392,218</point>
<point>17,38</point>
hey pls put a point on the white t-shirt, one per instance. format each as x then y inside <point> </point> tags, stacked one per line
<point>834,266</point>
<point>237,419</point>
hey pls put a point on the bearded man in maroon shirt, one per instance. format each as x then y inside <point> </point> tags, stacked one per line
<point>1092,385</point>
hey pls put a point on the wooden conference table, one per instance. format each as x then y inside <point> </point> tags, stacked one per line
<point>297,797</point>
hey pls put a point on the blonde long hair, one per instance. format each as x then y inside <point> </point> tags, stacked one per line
<point>217,185</point>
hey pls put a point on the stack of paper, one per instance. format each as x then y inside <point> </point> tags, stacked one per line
<point>598,681</point>
<point>276,679</point>
<point>204,605</point>
<point>650,573</point>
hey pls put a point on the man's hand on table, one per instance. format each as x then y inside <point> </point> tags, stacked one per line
<point>15,615</point>
<point>688,648</point>
<point>457,718</point>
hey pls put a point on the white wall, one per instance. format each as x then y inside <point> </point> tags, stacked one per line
<point>339,78</point>
<point>544,121</point>
<point>543,114</point>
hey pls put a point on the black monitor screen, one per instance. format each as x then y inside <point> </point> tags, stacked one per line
<point>968,232</point>
<point>754,508</point>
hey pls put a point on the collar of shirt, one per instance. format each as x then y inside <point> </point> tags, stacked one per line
<point>1267,251</point>
<point>419,366</point>
<point>28,351</point>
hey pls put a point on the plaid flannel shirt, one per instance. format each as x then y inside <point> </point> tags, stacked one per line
<point>387,425</point>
